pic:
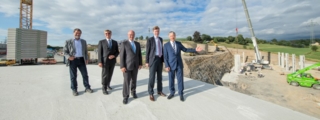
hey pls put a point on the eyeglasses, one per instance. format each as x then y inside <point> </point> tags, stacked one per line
<point>108,33</point>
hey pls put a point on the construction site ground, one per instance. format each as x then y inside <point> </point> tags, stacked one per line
<point>274,88</point>
<point>42,92</point>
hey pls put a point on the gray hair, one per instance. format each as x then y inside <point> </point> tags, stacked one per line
<point>172,32</point>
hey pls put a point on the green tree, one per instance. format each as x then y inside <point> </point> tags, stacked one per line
<point>241,40</point>
<point>227,41</point>
<point>231,39</point>
<point>147,37</point>
<point>196,37</point>
<point>141,37</point>
<point>314,48</point>
<point>274,41</point>
<point>205,37</point>
<point>137,38</point>
<point>215,40</point>
<point>248,40</point>
<point>221,39</point>
<point>189,38</point>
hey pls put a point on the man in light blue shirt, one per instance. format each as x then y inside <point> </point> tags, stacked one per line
<point>76,52</point>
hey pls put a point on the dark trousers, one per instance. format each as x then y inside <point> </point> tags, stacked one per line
<point>81,65</point>
<point>107,72</point>
<point>179,72</point>
<point>130,78</point>
<point>155,68</point>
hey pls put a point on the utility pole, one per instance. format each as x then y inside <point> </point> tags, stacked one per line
<point>311,25</point>
<point>5,40</point>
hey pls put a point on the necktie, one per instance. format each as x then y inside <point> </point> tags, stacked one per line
<point>159,48</point>
<point>174,46</point>
<point>133,47</point>
<point>109,43</point>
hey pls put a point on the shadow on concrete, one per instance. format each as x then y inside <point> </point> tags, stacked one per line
<point>191,87</point>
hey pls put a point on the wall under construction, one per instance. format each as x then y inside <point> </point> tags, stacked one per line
<point>26,43</point>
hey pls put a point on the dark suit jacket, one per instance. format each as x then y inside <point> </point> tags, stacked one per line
<point>69,49</point>
<point>151,50</point>
<point>104,52</point>
<point>172,59</point>
<point>129,59</point>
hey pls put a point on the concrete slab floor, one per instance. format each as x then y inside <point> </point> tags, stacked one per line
<point>42,92</point>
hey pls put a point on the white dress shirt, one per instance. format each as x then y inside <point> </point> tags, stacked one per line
<point>109,41</point>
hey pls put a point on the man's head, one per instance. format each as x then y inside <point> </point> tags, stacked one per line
<point>108,34</point>
<point>172,36</point>
<point>77,33</point>
<point>156,31</point>
<point>131,35</point>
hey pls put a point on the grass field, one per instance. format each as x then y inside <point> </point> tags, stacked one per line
<point>310,55</point>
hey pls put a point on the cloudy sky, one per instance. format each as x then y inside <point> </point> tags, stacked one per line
<point>281,19</point>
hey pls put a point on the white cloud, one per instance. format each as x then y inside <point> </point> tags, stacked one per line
<point>315,21</point>
<point>270,18</point>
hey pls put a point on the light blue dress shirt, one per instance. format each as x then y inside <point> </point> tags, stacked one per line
<point>78,45</point>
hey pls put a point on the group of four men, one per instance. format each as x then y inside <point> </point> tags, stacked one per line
<point>75,50</point>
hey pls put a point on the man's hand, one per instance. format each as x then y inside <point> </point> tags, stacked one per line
<point>147,65</point>
<point>140,66</point>
<point>123,70</point>
<point>198,49</point>
<point>100,64</point>
<point>111,57</point>
<point>168,69</point>
<point>71,58</point>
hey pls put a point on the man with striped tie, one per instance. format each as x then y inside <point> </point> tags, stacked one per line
<point>154,60</point>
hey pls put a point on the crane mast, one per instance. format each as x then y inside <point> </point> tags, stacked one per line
<point>26,10</point>
<point>253,38</point>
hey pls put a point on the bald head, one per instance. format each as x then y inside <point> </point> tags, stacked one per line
<point>131,35</point>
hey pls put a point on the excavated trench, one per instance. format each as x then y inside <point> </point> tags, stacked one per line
<point>208,68</point>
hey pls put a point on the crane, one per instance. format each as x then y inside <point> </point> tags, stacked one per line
<point>26,10</point>
<point>253,38</point>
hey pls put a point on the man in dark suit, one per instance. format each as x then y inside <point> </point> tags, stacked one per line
<point>130,63</point>
<point>154,60</point>
<point>107,53</point>
<point>75,50</point>
<point>173,63</point>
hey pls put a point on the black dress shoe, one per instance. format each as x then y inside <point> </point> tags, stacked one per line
<point>170,96</point>
<point>162,94</point>
<point>109,88</point>
<point>104,91</point>
<point>75,93</point>
<point>134,95</point>
<point>125,100</point>
<point>181,98</point>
